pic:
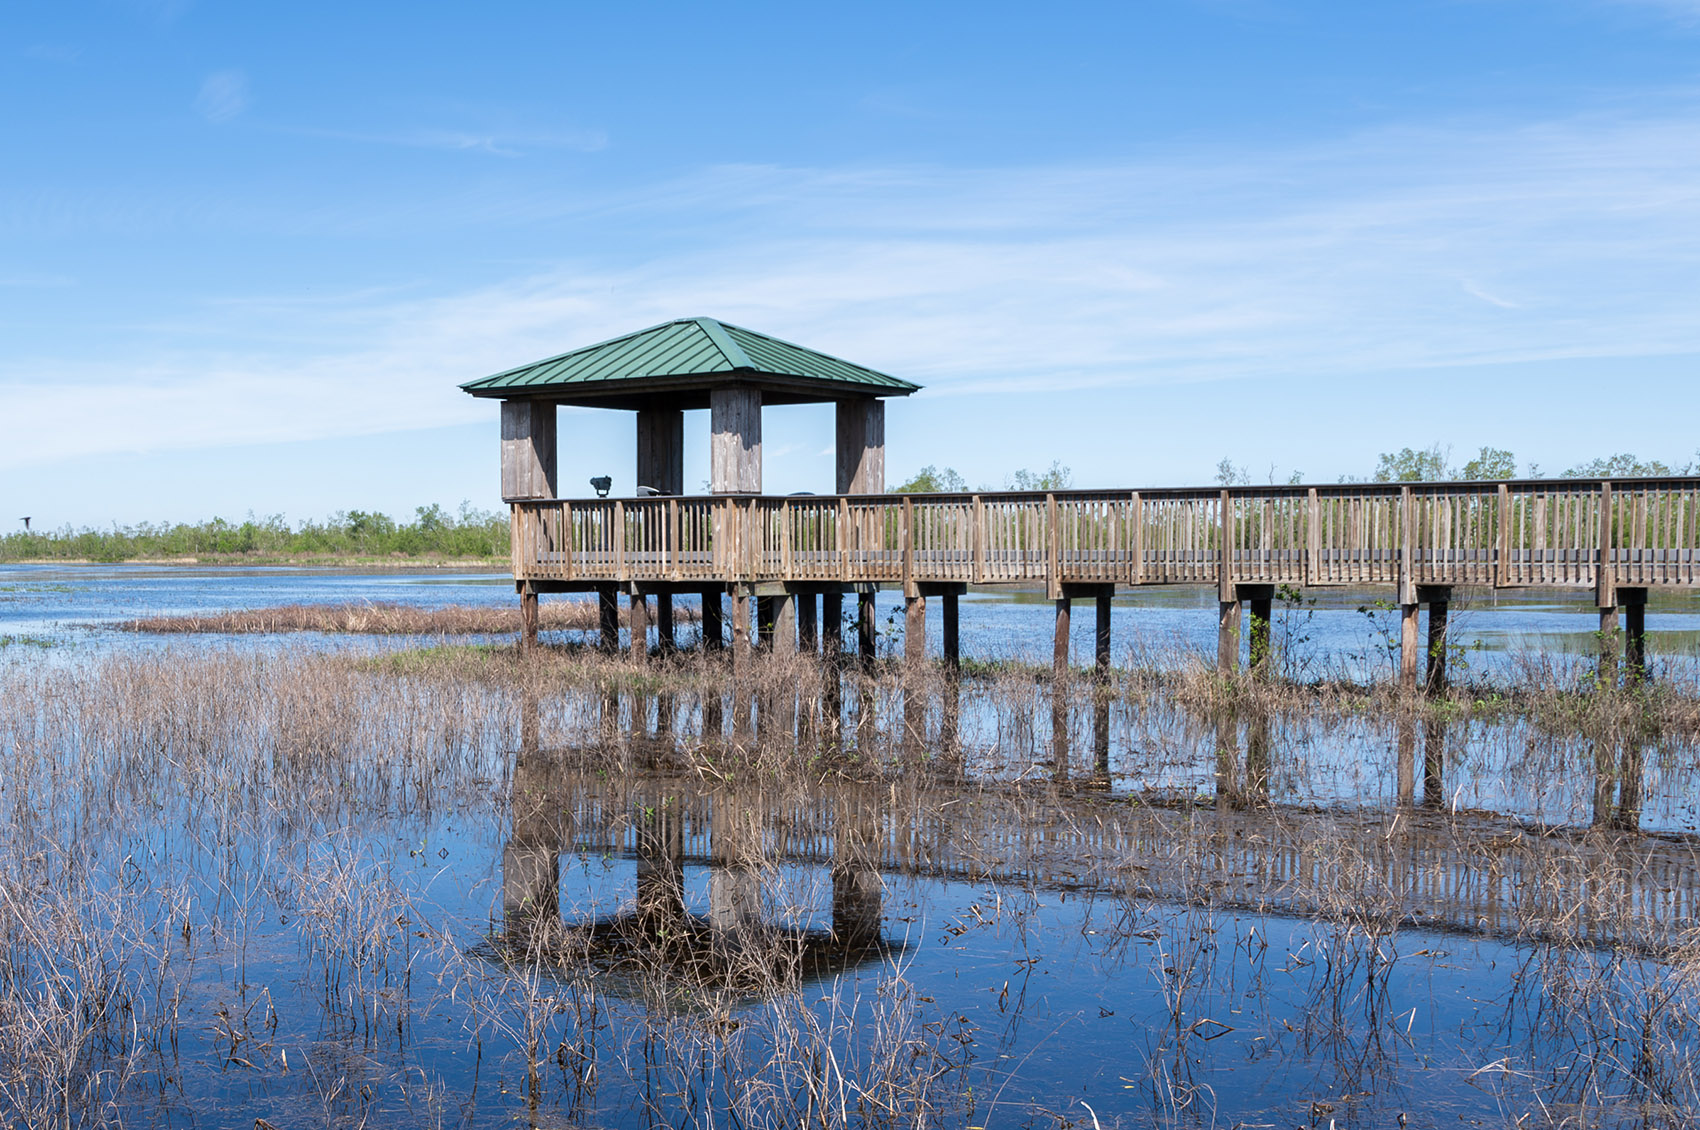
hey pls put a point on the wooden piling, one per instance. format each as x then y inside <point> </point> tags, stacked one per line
<point>808,622</point>
<point>1437,612</point>
<point>608,616</point>
<point>784,625</point>
<point>1228,636</point>
<point>915,632</point>
<point>664,622</point>
<point>832,625</point>
<point>1059,641</point>
<point>639,640</point>
<point>741,641</point>
<point>1105,596</point>
<point>865,629</point>
<point>528,618</point>
<point>952,633</point>
<point>1634,603</point>
<point>713,631</point>
<point>1409,645</point>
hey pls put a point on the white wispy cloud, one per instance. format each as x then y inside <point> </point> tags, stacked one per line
<point>223,96</point>
<point>1405,249</point>
<point>501,143</point>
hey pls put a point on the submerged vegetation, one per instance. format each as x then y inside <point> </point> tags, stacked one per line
<point>458,886</point>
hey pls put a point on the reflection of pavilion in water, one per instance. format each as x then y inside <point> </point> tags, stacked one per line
<point>742,940</point>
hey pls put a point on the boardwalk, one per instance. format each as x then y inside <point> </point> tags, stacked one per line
<point>1614,539</point>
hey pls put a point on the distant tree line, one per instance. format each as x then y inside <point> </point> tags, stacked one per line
<point>433,532</point>
<point>937,480</point>
<point>1434,464</point>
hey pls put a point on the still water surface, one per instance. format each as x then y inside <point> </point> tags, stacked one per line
<point>434,905</point>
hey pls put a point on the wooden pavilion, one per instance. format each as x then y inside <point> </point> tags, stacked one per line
<point>659,373</point>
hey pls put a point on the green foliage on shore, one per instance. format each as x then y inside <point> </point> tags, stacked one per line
<point>468,533</point>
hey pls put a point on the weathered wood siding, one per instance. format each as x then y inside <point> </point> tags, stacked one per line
<point>528,449</point>
<point>735,440</point>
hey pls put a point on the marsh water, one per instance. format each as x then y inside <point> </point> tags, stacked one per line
<point>296,879</point>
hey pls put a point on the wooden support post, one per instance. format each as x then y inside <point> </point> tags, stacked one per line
<point>528,617</point>
<point>1634,603</point>
<point>915,632</point>
<point>784,630</point>
<point>1438,603</point>
<point>1228,635</point>
<point>741,642</point>
<point>1059,641</point>
<point>713,632</point>
<point>952,637</point>
<point>808,622</point>
<point>1106,595</point>
<point>1409,646</point>
<point>1606,674</point>
<point>664,622</point>
<point>1261,641</point>
<point>865,629</point>
<point>832,625</point>
<point>608,616</point>
<point>639,607</point>
<point>764,621</point>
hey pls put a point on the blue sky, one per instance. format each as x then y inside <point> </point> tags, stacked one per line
<point>247,253</point>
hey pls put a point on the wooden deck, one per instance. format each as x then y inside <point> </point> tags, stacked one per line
<point>1575,533</point>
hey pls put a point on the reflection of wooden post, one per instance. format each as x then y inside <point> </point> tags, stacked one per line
<point>1257,742</point>
<point>1434,763</point>
<point>1101,736</point>
<point>661,864</point>
<point>531,862</point>
<point>1227,761</point>
<point>1407,763</point>
<point>857,893</point>
<point>734,886</point>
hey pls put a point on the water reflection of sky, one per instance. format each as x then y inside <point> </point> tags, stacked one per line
<point>1330,637</point>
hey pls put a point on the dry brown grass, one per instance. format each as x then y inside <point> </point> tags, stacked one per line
<point>385,619</point>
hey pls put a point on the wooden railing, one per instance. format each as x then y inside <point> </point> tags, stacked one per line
<point>1555,532</point>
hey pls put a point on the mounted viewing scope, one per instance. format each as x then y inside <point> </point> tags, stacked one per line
<point>602,484</point>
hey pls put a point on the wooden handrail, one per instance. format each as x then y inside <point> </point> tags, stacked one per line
<point>1550,532</point>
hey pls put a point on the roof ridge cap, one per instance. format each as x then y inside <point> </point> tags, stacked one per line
<point>729,349</point>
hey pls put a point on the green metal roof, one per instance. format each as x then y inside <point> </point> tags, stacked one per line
<point>691,354</point>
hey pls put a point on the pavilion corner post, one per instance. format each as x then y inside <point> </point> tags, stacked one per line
<point>735,440</point>
<point>528,449</point>
<point>661,450</point>
<point>861,446</point>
